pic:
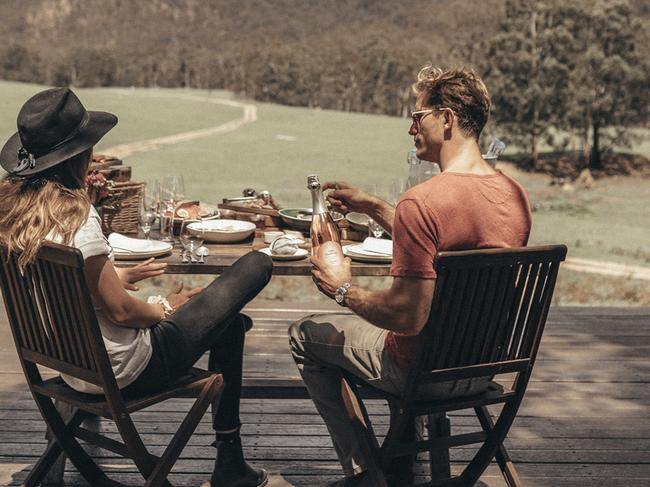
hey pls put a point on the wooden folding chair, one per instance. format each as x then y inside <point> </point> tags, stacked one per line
<point>54,325</point>
<point>488,314</point>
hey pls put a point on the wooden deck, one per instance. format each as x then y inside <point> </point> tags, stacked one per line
<point>585,420</point>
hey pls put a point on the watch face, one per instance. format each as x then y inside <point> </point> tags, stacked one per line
<point>339,298</point>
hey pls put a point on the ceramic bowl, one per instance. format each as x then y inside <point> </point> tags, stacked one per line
<point>223,231</point>
<point>300,218</point>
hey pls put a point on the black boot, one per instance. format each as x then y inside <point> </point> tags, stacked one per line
<point>230,468</point>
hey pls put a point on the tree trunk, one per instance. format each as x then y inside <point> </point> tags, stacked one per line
<point>533,150</point>
<point>595,161</point>
<point>535,78</point>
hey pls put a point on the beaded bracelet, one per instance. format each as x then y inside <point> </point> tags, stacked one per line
<point>167,308</point>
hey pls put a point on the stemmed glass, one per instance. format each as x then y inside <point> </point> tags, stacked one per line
<point>147,217</point>
<point>374,228</point>
<point>191,240</point>
<point>172,189</point>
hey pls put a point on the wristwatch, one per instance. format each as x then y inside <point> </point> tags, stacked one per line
<point>339,294</point>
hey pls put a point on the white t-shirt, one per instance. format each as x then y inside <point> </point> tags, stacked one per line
<point>129,349</point>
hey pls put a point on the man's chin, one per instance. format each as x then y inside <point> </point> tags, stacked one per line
<point>423,156</point>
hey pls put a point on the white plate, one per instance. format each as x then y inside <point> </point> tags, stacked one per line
<point>300,254</point>
<point>356,252</point>
<point>223,231</point>
<point>149,248</point>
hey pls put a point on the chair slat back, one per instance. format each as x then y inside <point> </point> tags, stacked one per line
<point>51,313</point>
<point>490,305</point>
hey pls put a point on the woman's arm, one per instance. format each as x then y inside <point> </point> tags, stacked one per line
<point>108,291</point>
<point>144,270</point>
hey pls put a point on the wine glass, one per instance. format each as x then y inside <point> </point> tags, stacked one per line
<point>172,189</point>
<point>147,217</point>
<point>151,198</point>
<point>374,229</point>
<point>191,238</point>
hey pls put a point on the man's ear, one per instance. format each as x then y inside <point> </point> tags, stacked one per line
<point>449,118</point>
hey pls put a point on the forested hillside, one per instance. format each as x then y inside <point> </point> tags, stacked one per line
<point>356,55</point>
<point>581,66</point>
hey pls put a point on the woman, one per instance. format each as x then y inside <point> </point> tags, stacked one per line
<point>149,343</point>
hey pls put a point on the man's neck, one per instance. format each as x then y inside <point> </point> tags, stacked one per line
<point>464,156</point>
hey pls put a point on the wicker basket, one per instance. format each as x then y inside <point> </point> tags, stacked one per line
<point>120,212</point>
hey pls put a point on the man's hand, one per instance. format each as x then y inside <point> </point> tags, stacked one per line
<point>329,278</point>
<point>144,270</point>
<point>179,296</point>
<point>346,198</point>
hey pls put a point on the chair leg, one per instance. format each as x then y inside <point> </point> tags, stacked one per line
<point>363,431</point>
<point>439,426</point>
<point>66,440</point>
<point>209,394</point>
<point>51,465</point>
<point>492,444</point>
<point>503,458</point>
<point>138,452</point>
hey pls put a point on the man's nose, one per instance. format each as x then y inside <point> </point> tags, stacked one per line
<point>413,129</point>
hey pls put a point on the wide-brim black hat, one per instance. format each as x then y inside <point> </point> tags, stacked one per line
<point>53,126</point>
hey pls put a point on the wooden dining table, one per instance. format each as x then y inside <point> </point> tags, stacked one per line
<point>223,255</point>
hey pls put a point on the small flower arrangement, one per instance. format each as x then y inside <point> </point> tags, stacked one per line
<point>97,186</point>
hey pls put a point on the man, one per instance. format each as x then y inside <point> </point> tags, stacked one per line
<point>469,205</point>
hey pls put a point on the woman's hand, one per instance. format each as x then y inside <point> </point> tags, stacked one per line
<point>329,278</point>
<point>346,198</point>
<point>144,270</point>
<point>179,296</point>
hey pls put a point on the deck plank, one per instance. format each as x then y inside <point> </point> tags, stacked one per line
<point>584,421</point>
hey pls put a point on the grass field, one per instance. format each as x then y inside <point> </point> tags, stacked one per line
<point>608,222</point>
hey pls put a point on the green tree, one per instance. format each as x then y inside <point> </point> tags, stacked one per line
<point>608,78</point>
<point>527,71</point>
<point>557,68</point>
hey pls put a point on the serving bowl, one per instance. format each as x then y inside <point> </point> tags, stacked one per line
<point>222,231</point>
<point>300,218</point>
<point>358,221</point>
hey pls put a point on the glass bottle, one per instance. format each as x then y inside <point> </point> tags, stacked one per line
<point>325,236</point>
<point>414,168</point>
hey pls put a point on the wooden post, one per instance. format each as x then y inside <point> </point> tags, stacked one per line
<point>439,426</point>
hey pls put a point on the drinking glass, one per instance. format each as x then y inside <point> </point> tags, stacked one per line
<point>151,195</point>
<point>172,189</point>
<point>190,239</point>
<point>374,229</point>
<point>147,217</point>
<point>167,222</point>
<point>399,187</point>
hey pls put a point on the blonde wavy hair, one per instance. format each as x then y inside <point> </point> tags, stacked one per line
<point>52,202</point>
<point>459,89</point>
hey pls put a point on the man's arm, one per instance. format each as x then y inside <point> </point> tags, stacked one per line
<point>403,308</point>
<point>346,197</point>
<point>384,214</point>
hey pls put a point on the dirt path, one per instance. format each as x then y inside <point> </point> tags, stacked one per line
<point>249,115</point>
<point>607,268</point>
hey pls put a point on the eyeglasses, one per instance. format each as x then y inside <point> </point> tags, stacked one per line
<point>418,115</point>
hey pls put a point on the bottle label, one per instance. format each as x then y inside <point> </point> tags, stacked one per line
<point>331,253</point>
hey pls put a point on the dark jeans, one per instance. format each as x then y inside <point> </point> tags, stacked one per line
<point>211,321</point>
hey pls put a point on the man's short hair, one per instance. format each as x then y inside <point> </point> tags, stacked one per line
<point>459,89</point>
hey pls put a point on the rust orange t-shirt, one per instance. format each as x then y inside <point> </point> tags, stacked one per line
<point>453,211</point>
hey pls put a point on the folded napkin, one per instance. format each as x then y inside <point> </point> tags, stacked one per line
<point>378,246</point>
<point>122,243</point>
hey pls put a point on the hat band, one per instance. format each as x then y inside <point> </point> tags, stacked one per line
<point>28,159</point>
